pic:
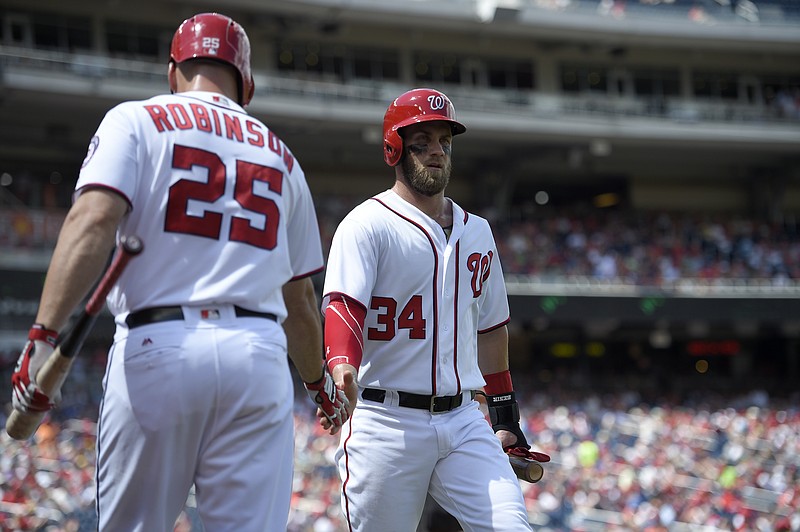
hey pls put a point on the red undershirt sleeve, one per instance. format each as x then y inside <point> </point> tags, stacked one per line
<point>344,326</point>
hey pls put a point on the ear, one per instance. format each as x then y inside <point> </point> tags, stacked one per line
<point>172,77</point>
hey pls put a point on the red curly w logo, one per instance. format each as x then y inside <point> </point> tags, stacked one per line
<point>480,266</point>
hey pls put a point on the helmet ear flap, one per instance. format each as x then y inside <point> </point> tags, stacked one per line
<point>392,148</point>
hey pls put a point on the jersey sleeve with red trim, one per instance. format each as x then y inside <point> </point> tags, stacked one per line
<point>305,245</point>
<point>111,160</point>
<point>352,262</point>
<point>494,310</point>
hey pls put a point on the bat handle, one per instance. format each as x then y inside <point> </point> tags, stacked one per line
<point>22,426</point>
<point>129,247</point>
<point>526,469</point>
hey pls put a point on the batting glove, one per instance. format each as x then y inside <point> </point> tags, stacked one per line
<point>27,396</point>
<point>331,401</point>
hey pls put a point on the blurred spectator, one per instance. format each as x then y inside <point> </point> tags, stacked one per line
<point>699,15</point>
<point>747,10</point>
<point>787,102</point>
<point>611,8</point>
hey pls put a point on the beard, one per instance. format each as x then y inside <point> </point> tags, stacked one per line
<point>426,181</point>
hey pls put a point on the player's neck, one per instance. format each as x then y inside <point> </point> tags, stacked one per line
<point>210,81</point>
<point>436,207</point>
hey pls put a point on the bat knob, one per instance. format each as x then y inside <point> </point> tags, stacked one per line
<point>132,244</point>
<point>526,469</point>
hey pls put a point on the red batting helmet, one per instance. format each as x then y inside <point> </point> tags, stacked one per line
<point>412,107</point>
<point>215,36</point>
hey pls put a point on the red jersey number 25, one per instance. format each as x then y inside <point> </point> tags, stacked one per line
<point>209,224</point>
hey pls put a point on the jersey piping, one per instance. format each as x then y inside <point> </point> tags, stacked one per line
<point>115,190</point>
<point>455,321</point>
<point>307,274</point>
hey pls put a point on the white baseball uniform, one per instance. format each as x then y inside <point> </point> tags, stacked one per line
<point>427,296</point>
<point>227,219</point>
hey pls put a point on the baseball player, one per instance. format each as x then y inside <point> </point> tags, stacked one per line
<point>416,308</point>
<point>198,388</point>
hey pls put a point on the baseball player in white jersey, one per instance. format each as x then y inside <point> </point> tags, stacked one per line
<point>415,306</point>
<point>198,388</point>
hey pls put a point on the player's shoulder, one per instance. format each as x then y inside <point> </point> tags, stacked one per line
<point>361,214</point>
<point>475,226</point>
<point>130,104</point>
<point>131,108</point>
<point>128,107</point>
<point>370,205</point>
<point>365,216</point>
<point>469,218</point>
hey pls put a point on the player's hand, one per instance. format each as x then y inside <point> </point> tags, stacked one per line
<point>507,439</point>
<point>27,396</point>
<point>332,403</point>
<point>344,375</point>
<point>511,436</point>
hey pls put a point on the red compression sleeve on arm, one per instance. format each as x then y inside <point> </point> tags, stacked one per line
<point>344,338</point>
<point>498,383</point>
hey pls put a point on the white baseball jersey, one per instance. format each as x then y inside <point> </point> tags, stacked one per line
<point>457,283</point>
<point>210,216</point>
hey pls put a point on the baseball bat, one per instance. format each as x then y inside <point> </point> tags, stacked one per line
<point>526,469</point>
<point>54,371</point>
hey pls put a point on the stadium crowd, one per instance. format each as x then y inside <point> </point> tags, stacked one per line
<point>652,249</point>
<point>635,247</point>
<point>616,245</point>
<point>622,461</point>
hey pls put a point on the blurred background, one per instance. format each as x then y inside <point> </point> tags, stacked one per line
<point>639,161</point>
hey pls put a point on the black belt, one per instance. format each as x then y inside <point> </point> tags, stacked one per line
<point>158,314</point>
<point>432,403</point>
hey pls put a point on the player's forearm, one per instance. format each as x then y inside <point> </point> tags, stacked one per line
<point>305,350</point>
<point>493,351</point>
<point>82,250</point>
<point>303,329</point>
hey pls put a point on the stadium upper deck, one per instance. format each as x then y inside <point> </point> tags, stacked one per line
<point>555,93</point>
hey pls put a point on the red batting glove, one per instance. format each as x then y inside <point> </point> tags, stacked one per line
<point>331,402</point>
<point>27,396</point>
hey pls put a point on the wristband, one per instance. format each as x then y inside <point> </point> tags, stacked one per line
<point>341,359</point>
<point>504,415</point>
<point>43,334</point>
<point>503,409</point>
<point>498,383</point>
